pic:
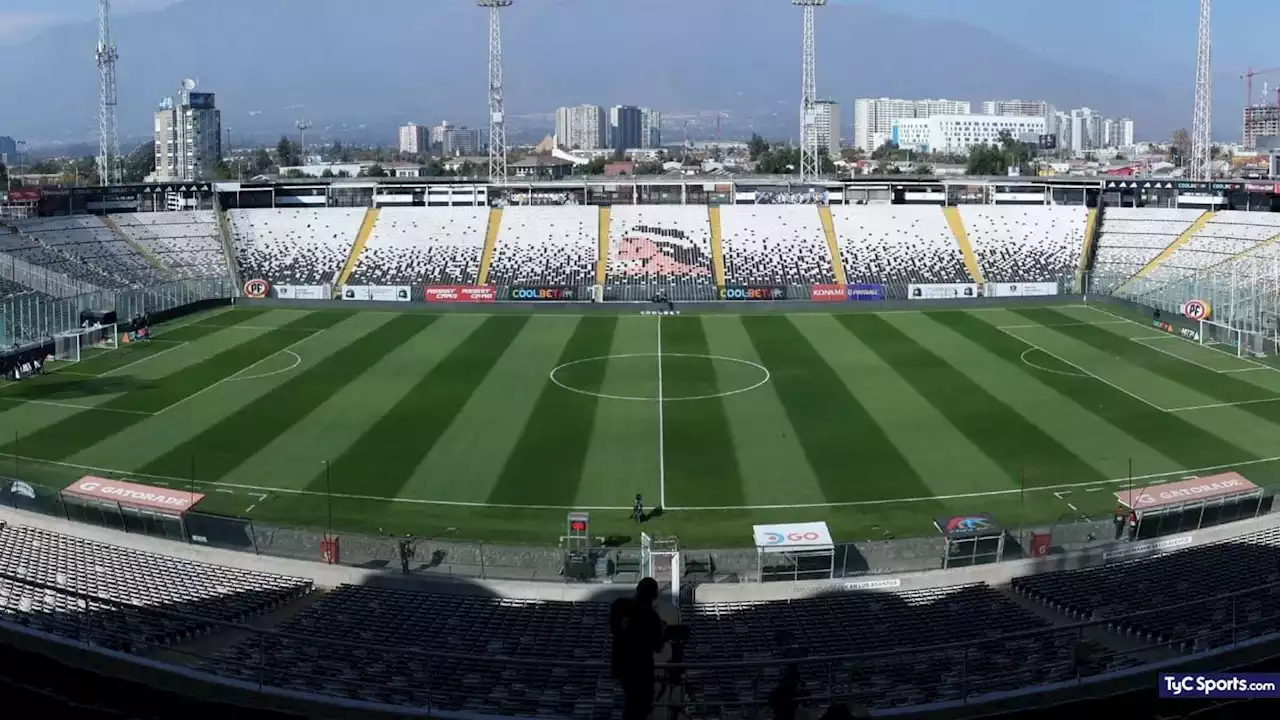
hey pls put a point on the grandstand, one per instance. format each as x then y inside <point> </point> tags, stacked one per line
<point>546,245</point>
<point>897,245</point>
<point>1026,243</point>
<point>660,247</point>
<point>774,245</point>
<point>423,246</point>
<point>188,244</point>
<point>1134,237</point>
<point>294,247</point>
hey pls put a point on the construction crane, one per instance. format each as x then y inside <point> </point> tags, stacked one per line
<point>1248,78</point>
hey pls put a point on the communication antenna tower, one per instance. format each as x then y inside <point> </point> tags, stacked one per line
<point>109,165</point>
<point>810,161</point>
<point>303,126</point>
<point>497,107</point>
<point>1201,125</point>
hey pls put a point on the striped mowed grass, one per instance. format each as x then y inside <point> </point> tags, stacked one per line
<point>493,426</point>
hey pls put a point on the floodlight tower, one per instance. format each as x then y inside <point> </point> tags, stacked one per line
<point>109,165</point>
<point>1201,167</point>
<point>497,107</point>
<point>810,160</point>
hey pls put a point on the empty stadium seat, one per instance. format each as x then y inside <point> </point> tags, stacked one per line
<point>546,246</point>
<point>1132,237</point>
<point>294,247</point>
<point>774,245</point>
<point>423,246</point>
<point>188,243</point>
<point>1025,243</point>
<point>660,247</point>
<point>897,245</point>
<point>80,247</point>
<point>1227,234</point>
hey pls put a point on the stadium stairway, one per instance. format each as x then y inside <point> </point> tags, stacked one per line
<point>1273,240</point>
<point>490,241</point>
<point>1086,250</point>
<point>829,229</point>
<point>123,237</point>
<point>602,262</point>
<point>193,651</point>
<point>956,223</point>
<point>1168,252</point>
<point>1097,634</point>
<point>717,247</point>
<point>357,248</point>
<point>228,247</point>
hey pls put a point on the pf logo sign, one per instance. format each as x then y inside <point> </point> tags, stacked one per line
<point>257,289</point>
<point>1196,310</point>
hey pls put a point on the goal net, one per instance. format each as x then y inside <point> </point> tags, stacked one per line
<point>1241,343</point>
<point>71,346</point>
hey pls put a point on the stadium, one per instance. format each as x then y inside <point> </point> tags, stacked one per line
<point>390,452</point>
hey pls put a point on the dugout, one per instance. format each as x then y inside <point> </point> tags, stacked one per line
<point>794,551</point>
<point>1192,504</point>
<point>975,539</point>
<point>131,507</point>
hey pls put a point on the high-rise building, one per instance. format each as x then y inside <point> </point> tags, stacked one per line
<point>1086,131</point>
<point>650,128</point>
<point>1017,108</point>
<point>461,141</point>
<point>584,127</point>
<point>8,151</point>
<point>436,135</point>
<point>873,117</point>
<point>413,139</point>
<point>1260,121</point>
<point>827,122</point>
<point>624,127</point>
<point>959,133</point>
<point>188,132</point>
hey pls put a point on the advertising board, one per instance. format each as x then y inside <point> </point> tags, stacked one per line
<point>127,493</point>
<point>302,292</point>
<point>561,293</point>
<point>384,293</point>
<point>256,289</point>
<point>864,292</point>
<point>459,293</point>
<point>944,291</point>
<point>753,292</point>
<point>792,536</point>
<point>827,293</point>
<point>1032,289</point>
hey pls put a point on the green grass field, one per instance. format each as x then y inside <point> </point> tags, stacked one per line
<point>492,426</point>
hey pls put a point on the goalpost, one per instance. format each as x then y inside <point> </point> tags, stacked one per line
<point>1223,337</point>
<point>70,346</point>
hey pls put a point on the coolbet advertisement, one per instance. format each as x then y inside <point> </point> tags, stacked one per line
<point>753,292</point>
<point>540,294</point>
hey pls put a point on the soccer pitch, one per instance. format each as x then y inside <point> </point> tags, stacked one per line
<point>493,426</point>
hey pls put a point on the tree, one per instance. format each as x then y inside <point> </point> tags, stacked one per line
<point>223,171</point>
<point>4,176</point>
<point>985,160</point>
<point>294,173</point>
<point>595,167</point>
<point>889,150</point>
<point>287,153</point>
<point>375,170</point>
<point>756,147</point>
<point>1181,146</point>
<point>328,173</point>
<point>922,169</point>
<point>261,162</point>
<point>649,168</point>
<point>140,163</point>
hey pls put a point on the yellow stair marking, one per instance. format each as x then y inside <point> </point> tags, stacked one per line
<point>1273,240</point>
<point>357,249</point>
<point>829,227</point>
<point>956,223</point>
<point>120,235</point>
<point>717,252</point>
<point>602,263</point>
<point>1168,252</point>
<point>1087,248</point>
<point>490,240</point>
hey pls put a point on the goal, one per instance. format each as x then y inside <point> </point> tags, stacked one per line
<point>71,346</point>
<point>1241,343</point>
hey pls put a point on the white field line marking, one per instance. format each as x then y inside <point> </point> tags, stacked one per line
<point>1250,369</point>
<point>1210,346</point>
<point>1060,359</point>
<point>1058,325</point>
<point>726,314</point>
<point>73,406</point>
<point>1028,363</point>
<point>1223,404</point>
<point>184,482</point>
<point>173,347</point>
<point>72,372</point>
<point>1176,356</point>
<point>269,327</point>
<point>662,441</point>
<point>297,360</point>
<point>233,375</point>
<point>665,399</point>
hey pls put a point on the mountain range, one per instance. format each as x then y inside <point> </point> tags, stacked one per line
<point>356,70</point>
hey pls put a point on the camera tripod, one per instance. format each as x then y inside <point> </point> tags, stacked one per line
<point>675,690</point>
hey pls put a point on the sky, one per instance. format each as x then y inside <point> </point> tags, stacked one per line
<point>20,19</point>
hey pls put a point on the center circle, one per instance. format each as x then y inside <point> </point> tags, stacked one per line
<point>755,375</point>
